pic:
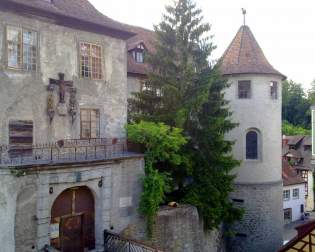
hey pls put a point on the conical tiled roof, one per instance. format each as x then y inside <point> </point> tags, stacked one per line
<point>244,56</point>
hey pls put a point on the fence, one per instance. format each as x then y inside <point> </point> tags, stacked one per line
<point>68,150</point>
<point>115,243</point>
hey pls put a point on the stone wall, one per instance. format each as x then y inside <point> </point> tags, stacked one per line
<point>179,230</point>
<point>262,225</point>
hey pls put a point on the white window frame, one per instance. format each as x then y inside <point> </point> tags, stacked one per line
<point>294,195</point>
<point>286,195</point>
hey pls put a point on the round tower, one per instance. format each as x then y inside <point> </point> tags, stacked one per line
<point>255,99</point>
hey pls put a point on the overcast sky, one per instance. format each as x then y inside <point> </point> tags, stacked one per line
<point>285,29</point>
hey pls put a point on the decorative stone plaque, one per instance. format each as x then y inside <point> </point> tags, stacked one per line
<point>125,202</point>
<point>62,109</point>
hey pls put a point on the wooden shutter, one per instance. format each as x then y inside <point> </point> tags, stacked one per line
<point>20,137</point>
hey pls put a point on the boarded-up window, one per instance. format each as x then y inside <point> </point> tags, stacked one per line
<point>20,137</point>
<point>244,90</point>
<point>90,123</point>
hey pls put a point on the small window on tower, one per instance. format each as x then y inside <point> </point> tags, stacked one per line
<point>252,145</point>
<point>244,90</point>
<point>274,90</point>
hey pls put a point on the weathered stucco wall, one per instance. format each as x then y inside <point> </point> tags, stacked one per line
<point>17,212</point>
<point>25,202</point>
<point>23,94</point>
<point>264,114</point>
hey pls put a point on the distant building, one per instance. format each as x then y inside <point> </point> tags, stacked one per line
<point>293,193</point>
<point>297,150</point>
<point>138,47</point>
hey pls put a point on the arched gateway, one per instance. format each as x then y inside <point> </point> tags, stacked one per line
<point>72,221</point>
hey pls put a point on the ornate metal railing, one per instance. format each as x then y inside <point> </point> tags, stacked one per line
<point>68,150</point>
<point>115,243</point>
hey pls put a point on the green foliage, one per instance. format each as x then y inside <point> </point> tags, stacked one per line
<point>295,104</point>
<point>162,144</point>
<point>212,160</point>
<point>185,91</point>
<point>291,130</point>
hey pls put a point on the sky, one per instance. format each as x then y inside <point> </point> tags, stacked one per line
<point>284,29</point>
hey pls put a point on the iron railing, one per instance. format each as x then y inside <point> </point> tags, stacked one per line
<point>63,151</point>
<point>115,243</point>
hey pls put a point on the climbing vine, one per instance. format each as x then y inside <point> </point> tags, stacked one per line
<point>162,147</point>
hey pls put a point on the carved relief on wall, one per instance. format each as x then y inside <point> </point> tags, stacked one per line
<point>63,88</point>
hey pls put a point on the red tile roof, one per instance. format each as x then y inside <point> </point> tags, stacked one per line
<point>289,176</point>
<point>80,14</point>
<point>244,56</point>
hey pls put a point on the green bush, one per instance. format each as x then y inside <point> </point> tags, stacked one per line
<point>162,144</point>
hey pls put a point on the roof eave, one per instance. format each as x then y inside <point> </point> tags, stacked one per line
<point>283,77</point>
<point>67,21</point>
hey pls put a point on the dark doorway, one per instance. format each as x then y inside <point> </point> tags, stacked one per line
<point>72,221</point>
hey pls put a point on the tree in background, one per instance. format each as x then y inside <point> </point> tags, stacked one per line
<point>295,104</point>
<point>292,130</point>
<point>185,91</point>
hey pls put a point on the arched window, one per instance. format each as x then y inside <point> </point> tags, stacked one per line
<point>252,145</point>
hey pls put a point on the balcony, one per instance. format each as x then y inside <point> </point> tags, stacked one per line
<point>66,151</point>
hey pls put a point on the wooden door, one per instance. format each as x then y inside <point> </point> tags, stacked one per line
<point>73,214</point>
<point>72,234</point>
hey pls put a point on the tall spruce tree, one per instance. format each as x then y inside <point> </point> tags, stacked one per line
<point>185,91</point>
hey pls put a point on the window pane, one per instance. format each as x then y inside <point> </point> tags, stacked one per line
<point>251,145</point>
<point>244,89</point>
<point>90,123</point>
<point>85,52</point>
<point>96,62</point>
<point>274,90</point>
<point>29,50</point>
<point>14,49</point>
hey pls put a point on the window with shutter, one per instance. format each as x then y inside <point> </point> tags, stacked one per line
<point>20,138</point>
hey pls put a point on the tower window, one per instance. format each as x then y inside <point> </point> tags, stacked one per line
<point>252,145</point>
<point>274,90</point>
<point>244,89</point>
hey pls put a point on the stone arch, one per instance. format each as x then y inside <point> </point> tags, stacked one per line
<point>25,226</point>
<point>253,150</point>
<point>73,220</point>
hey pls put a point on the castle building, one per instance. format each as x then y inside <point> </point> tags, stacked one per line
<point>66,174</point>
<point>255,100</point>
